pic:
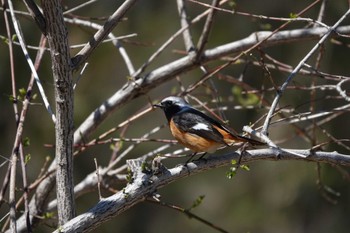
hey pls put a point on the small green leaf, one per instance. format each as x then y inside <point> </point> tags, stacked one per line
<point>145,168</point>
<point>22,91</point>
<point>26,141</point>
<point>27,158</point>
<point>244,99</point>
<point>233,162</point>
<point>198,201</point>
<point>265,26</point>
<point>245,167</point>
<point>232,4</point>
<point>173,90</point>
<point>231,173</point>
<point>129,177</point>
<point>112,146</point>
<point>12,99</point>
<point>14,37</point>
<point>293,15</point>
<point>49,215</point>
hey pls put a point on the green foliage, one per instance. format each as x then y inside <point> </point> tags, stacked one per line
<point>34,96</point>
<point>293,15</point>
<point>27,158</point>
<point>129,176</point>
<point>26,141</point>
<point>145,168</point>
<point>22,91</point>
<point>245,167</point>
<point>197,202</point>
<point>265,26</point>
<point>14,37</point>
<point>12,99</point>
<point>233,170</point>
<point>49,215</point>
<point>232,4</point>
<point>231,173</point>
<point>126,194</point>
<point>6,40</point>
<point>244,99</point>
<point>112,146</point>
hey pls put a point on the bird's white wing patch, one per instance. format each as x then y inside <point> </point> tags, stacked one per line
<point>201,126</point>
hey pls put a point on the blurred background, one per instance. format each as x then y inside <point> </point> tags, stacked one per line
<point>283,196</point>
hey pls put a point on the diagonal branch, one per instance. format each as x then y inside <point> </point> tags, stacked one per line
<point>101,34</point>
<point>30,62</point>
<point>36,15</point>
<point>206,30</point>
<point>296,70</point>
<point>185,24</point>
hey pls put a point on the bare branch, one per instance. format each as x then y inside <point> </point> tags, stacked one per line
<point>296,70</point>
<point>30,62</point>
<point>162,74</point>
<point>189,45</point>
<point>206,29</point>
<point>101,34</point>
<point>37,15</point>
<point>146,183</point>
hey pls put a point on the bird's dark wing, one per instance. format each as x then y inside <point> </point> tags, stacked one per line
<point>195,122</point>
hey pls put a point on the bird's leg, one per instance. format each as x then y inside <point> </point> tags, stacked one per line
<point>192,155</point>
<point>200,157</point>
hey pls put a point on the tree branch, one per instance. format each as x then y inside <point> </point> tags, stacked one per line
<point>296,70</point>
<point>101,34</point>
<point>145,184</point>
<point>162,74</point>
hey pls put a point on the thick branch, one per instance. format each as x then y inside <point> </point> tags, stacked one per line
<point>145,184</point>
<point>62,74</point>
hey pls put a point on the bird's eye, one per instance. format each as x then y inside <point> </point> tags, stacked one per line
<point>168,103</point>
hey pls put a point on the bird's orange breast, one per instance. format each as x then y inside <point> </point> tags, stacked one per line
<point>193,141</point>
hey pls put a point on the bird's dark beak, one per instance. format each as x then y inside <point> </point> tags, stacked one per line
<point>157,105</point>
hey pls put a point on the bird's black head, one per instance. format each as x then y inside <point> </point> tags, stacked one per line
<point>172,105</point>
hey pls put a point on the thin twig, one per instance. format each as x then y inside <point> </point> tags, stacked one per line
<point>80,74</point>
<point>181,7</point>
<point>169,41</point>
<point>188,213</point>
<point>206,29</point>
<point>113,38</point>
<point>101,34</point>
<point>296,70</point>
<point>30,63</point>
<point>342,92</point>
<point>79,6</point>
<point>36,14</point>
<point>12,191</point>
<point>98,179</point>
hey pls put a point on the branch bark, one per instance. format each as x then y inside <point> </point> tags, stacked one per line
<point>62,74</point>
<point>145,184</point>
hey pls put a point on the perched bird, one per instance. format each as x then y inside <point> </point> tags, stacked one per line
<point>196,130</point>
